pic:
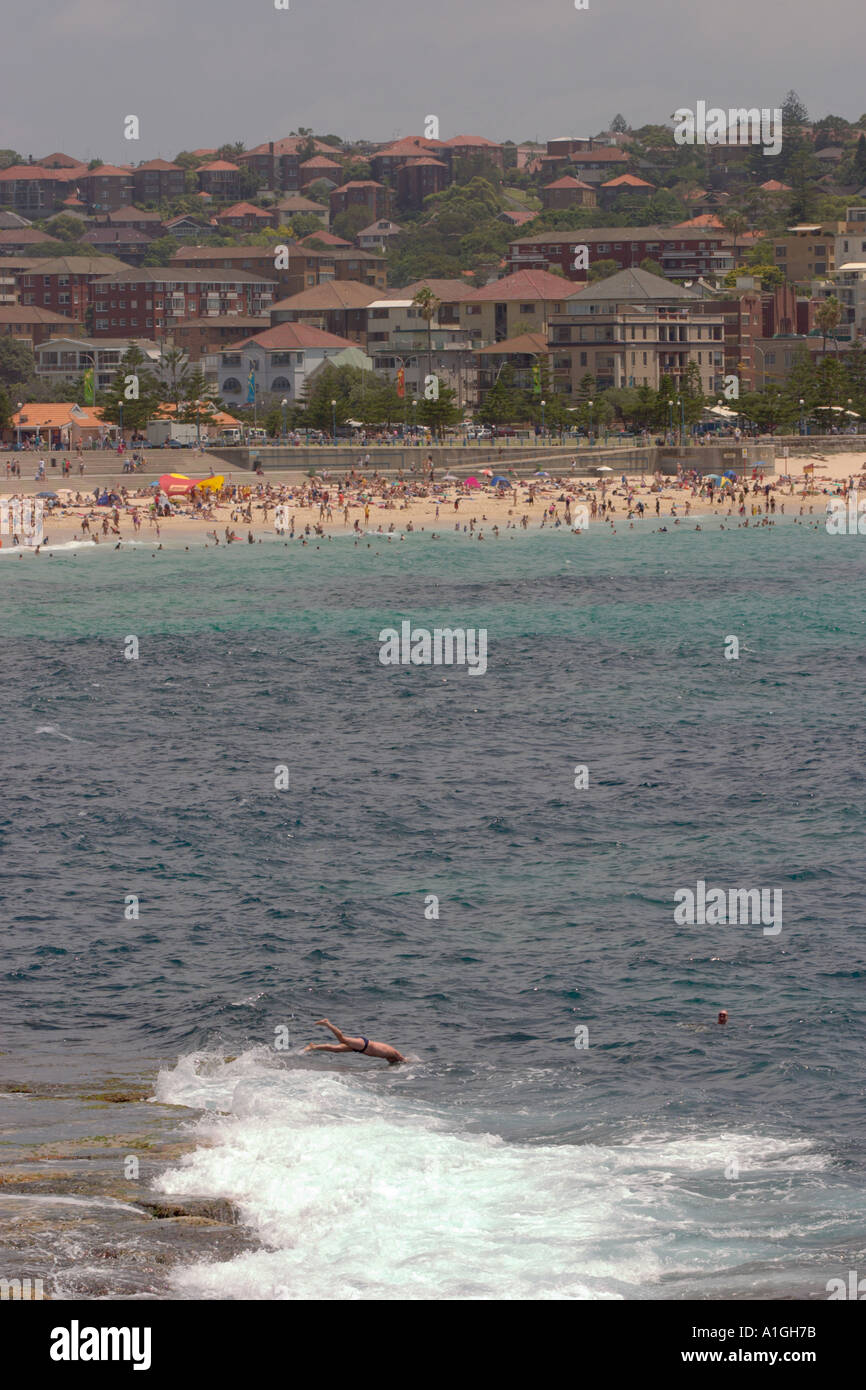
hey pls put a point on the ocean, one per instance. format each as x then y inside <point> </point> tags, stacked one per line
<point>439,874</point>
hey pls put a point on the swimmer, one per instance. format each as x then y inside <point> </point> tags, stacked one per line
<point>347,1044</point>
<point>723,1015</point>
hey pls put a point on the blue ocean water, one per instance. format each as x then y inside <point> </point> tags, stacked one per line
<point>669,1158</point>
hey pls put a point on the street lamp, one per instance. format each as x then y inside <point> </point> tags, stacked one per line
<point>284,404</point>
<point>415,417</point>
<point>18,424</point>
<point>543,404</point>
<point>120,423</point>
<point>589,403</point>
<point>802,421</point>
<point>682,422</point>
<point>334,423</point>
<point>670,419</point>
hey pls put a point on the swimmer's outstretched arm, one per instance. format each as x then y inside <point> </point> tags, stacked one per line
<point>328,1047</point>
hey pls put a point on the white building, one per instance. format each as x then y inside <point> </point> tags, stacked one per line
<point>281,359</point>
<point>67,359</point>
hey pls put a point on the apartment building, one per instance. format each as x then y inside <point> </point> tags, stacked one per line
<point>65,284</point>
<point>203,337</point>
<point>31,325</point>
<point>106,188</point>
<point>808,251</point>
<point>358,193</point>
<point>152,300</point>
<point>633,329</point>
<point>684,253</point>
<point>520,303</point>
<point>338,307</point>
<point>300,267</point>
<point>158,181</point>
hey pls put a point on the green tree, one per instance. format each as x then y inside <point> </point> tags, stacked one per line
<point>160,251</point>
<point>175,373</point>
<point>652,267</point>
<point>619,125</point>
<point>802,382</point>
<point>439,412</point>
<point>770,408</point>
<point>5,408</point>
<point>349,223</point>
<point>504,403</point>
<point>429,305</point>
<point>601,270</point>
<point>66,227</point>
<point>828,316</point>
<point>120,402</point>
<point>17,363</point>
<point>793,110</point>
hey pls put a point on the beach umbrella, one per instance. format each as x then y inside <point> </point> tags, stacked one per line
<point>541,474</point>
<point>729,473</point>
<point>47,494</point>
<point>714,477</point>
<point>450,478</point>
<point>471,482</point>
<point>602,468</point>
<point>501,482</point>
<point>486,472</point>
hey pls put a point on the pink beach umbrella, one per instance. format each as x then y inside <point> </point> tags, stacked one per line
<point>471,482</point>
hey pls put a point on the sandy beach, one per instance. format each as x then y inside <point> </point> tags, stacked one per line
<point>261,509</point>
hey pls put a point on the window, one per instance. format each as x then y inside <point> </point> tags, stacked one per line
<point>63,299</point>
<point>583,359</point>
<point>527,308</point>
<point>644,359</point>
<point>281,383</point>
<point>231,384</point>
<point>101,324</point>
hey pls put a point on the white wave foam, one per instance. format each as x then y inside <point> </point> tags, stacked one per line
<point>356,1192</point>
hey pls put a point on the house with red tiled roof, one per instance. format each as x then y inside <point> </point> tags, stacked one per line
<point>60,161</point>
<point>418,179</point>
<point>705,219</point>
<point>278,161</point>
<point>282,359</point>
<point>358,193</point>
<point>324,238</point>
<point>19,239</point>
<point>387,160</point>
<point>32,324</point>
<point>379,235</point>
<point>568,192</point>
<point>774,186</point>
<point>106,187</point>
<point>158,181</point>
<point>337,306</point>
<point>221,179</point>
<point>517,219</point>
<point>473,147</point>
<point>519,303</point>
<point>245,217</point>
<point>319,167</point>
<point>629,184</point>
<point>34,190</point>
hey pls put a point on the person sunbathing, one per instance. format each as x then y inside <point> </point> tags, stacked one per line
<point>346,1044</point>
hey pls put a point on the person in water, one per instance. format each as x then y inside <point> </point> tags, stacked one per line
<point>347,1044</point>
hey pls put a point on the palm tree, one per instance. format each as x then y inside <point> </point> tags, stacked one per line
<point>429,305</point>
<point>736,224</point>
<point>828,316</point>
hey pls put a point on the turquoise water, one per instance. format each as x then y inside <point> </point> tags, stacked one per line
<point>669,1158</point>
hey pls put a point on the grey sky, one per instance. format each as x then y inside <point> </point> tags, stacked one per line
<point>201,72</point>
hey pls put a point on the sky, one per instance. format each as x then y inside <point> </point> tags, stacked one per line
<point>206,72</point>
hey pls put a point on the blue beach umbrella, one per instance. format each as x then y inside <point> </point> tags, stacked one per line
<point>499,481</point>
<point>729,473</point>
